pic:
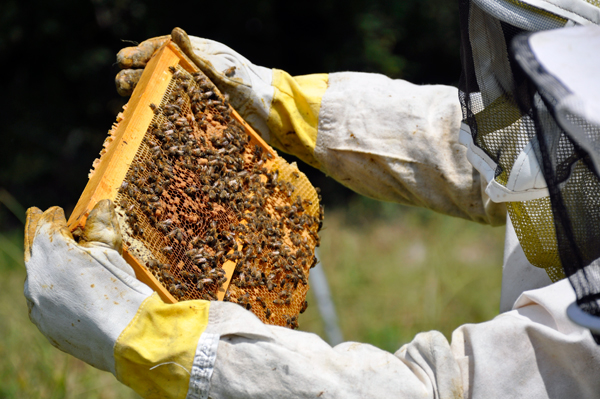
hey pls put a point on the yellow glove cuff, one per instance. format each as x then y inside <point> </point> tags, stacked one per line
<point>155,352</point>
<point>294,115</point>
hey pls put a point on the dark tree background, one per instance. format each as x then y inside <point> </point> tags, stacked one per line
<point>58,58</point>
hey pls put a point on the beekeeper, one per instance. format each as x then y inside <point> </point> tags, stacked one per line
<point>386,139</point>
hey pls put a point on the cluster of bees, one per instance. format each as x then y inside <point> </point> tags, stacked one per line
<point>200,193</point>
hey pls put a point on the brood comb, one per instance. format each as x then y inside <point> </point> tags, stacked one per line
<point>206,208</point>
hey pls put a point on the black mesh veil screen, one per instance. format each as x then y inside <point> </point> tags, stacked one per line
<point>569,153</point>
<point>509,101</point>
<point>491,89</point>
<point>489,86</point>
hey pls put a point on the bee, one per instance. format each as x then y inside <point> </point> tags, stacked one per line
<point>199,260</point>
<point>185,287</point>
<point>191,190</point>
<point>164,225</point>
<point>165,266</point>
<point>284,294</point>
<point>229,72</point>
<point>192,252</point>
<point>167,276</point>
<point>153,198</point>
<point>304,306</point>
<point>261,301</point>
<point>138,230</point>
<point>133,191</point>
<point>130,212</point>
<point>294,322</point>
<point>124,186</point>
<point>203,282</point>
<point>196,241</point>
<point>168,174</point>
<point>153,264</point>
<point>174,150</point>
<point>268,313</point>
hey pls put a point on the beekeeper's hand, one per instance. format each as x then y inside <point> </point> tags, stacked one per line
<point>283,109</point>
<point>86,300</point>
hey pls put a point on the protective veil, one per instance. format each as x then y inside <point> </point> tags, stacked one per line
<point>501,139</point>
<point>529,131</point>
<point>561,95</point>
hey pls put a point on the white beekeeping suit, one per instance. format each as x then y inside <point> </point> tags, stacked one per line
<point>387,139</point>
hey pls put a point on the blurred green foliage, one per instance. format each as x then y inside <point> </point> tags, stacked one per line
<point>396,271</point>
<point>59,99</point>
<point>29,366</point>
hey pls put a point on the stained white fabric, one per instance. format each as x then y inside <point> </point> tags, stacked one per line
<point>481,161</point>
<point>525,181</point>
<point>572,56</point>
<point>250,90</point>
<point>526,174</point>
<point>202,368</point>
<point>533,351</point>
<point>80,298</point>
<point>395,141</point>
<point>369,142</point>
<point>259,361</point>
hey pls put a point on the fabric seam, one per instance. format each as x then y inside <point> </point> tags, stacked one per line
<point>133,320</point>
<point>203,366</point>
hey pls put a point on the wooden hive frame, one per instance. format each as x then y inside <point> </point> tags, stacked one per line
<point>126,137</point>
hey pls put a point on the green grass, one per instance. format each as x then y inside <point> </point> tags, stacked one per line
<point>29,366</point>
<point>393,271</point>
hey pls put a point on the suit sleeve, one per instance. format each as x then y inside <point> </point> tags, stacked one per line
<point>395,141</point>
<point>533,351</point>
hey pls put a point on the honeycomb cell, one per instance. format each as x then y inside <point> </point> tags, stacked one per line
<point>201,192</point>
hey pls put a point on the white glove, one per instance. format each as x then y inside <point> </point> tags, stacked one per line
<point>247,85</point>
<point>80,296</point>
<point>86,300</point>
<point>283,109</point>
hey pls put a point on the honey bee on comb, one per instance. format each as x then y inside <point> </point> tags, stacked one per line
<point>207,209</point>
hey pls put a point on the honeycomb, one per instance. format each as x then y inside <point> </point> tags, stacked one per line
<point>212,212</point>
